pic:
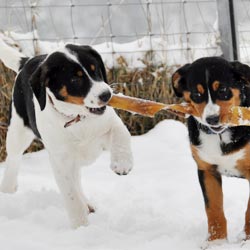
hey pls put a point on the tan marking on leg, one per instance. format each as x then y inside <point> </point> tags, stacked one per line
<point>217,225</point>
<point>247,221</point>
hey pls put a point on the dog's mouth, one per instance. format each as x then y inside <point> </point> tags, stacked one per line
<point>97,111</point>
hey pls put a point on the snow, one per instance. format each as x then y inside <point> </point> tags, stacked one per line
<point>159,205</point>
<point>132,53</point>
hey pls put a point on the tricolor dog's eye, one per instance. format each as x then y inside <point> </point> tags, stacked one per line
<point>197,94</point>
<point>224,93</point>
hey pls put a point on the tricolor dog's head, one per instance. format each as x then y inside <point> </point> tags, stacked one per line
<point>75,75</point>
<point>212,85</point>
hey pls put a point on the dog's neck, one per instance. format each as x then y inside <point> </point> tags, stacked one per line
<point>72,118</point>
<point>207,130</point>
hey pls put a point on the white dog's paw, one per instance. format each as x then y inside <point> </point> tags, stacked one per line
<point>122,167</point>
<point>8,187</point>
<point>80,220</point>
<point>78,215</point>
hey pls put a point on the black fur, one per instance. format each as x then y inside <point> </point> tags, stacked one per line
<point>55,72</point>
<point>202,185</point>
<point>205,71</point>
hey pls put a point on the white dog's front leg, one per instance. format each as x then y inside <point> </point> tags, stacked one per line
<point>68,178</point>
<point>121,154</point>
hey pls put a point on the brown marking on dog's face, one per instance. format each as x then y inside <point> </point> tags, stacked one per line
<point>69,98</point>
<point>215,85</point>
<point>200,89</point>
<point>92,67</point>
<point>198,107</point>
<point>226,105</point>
<point>79,73</point>
<point>176,78</point>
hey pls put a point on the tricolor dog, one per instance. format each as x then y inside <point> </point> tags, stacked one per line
<point>212,85</point>
<point>61,99</point>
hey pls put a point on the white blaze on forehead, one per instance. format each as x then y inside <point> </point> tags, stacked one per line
<point>211,109</point>
<point>97,88</point>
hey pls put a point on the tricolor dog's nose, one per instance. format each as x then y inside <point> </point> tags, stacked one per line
<point>213,119</point>
<point>105,96</point>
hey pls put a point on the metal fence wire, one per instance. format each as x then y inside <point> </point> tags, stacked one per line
<point>186,29</point>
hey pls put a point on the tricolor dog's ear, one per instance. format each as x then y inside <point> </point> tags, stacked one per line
<point>241,70</point>
<point>38,82</point>
<point>179,80</point>
<point>242,75</point>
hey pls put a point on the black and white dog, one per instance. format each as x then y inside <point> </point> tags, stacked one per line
<point>61,98</point>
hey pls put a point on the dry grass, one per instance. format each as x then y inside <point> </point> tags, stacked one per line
<point>7,78</point>
<point>6,83</point>
<point>151,82</point>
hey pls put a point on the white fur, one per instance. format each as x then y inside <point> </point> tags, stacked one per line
<point>92,100</point>
<point>70,148</point>
<point>10,56</point>
<point>211,109</point>
<point>210,151</point>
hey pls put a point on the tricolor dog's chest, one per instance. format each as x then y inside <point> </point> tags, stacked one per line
<point>210,151</point>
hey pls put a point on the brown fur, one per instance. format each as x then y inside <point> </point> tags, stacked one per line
<point>69,98</point>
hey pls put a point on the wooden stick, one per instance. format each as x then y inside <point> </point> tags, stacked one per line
<point>149,108</point>
<point>236,116</point>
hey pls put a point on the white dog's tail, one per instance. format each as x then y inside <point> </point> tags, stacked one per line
<point>10,57</point>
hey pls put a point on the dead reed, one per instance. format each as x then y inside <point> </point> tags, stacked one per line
<point>151,82</point>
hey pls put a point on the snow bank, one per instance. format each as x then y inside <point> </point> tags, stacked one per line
<point>133,52</point>
<point>157,206</point>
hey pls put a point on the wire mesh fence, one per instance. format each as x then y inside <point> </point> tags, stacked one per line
<point>184,29</point>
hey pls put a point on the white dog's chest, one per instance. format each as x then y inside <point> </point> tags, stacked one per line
<point>210,151</point>
<point>82,141</point>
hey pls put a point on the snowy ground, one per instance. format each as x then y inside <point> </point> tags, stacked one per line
<point>158,206</point>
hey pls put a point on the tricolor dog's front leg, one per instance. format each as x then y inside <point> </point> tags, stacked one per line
<point>211,185</point>
<point>121,154</point>
<point>68,179</point>
<point>247,219</point>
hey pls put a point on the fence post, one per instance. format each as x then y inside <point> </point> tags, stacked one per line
<point>228,29</point>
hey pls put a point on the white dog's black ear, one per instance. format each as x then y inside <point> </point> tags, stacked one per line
<point>100,62</point>
<point>38,81</point>
<point>179,80</point>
